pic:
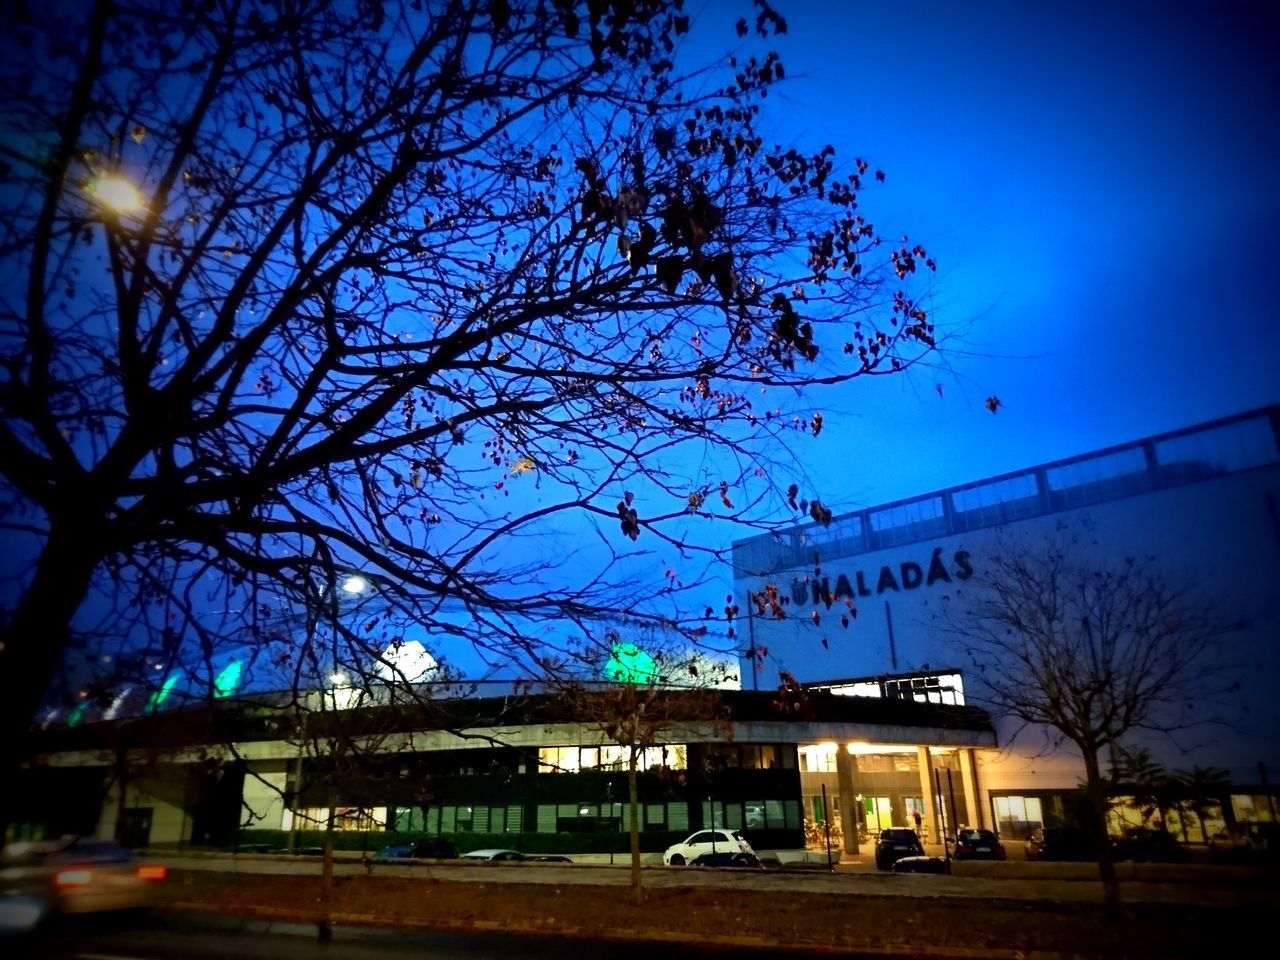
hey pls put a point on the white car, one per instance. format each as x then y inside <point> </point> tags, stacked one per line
<point>705,841</point>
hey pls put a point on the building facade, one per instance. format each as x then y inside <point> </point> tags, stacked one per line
<point>525,772</point>
<point>864,605</point>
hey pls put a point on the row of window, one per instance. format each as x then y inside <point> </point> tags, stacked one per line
<point>673,756</point>
<point>613,757</point>
<point>553,817</point>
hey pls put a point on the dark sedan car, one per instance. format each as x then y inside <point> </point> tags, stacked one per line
<point>1246,843</point>
<point>1143,844</point>
<point>514,856</point>
<point>1060,843</point>
<point>428,848</point>
<point>725,858</point>
<point>972,844</point>
<point>894,843</point>
<point>921,865</point>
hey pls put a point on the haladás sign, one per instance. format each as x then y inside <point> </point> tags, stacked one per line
<point>891,577</point>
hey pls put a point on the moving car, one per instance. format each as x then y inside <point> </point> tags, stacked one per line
<point>727,858</point>
<point>41,878</point>
<point>921,865</point>
<point>705,841</point>
<point>894,843</point>
<point>429,848</point>
<point>975,844</point>
<point>510,856</point>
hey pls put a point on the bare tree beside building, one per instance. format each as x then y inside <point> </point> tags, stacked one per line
<point>655,701</point>
<point>1092,651</point>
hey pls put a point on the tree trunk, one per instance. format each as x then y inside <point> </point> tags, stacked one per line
<point>324,928</point>
<point>1096,791</point>
<point>122,784</point>
<point>637,892</point>
<point>33,641</point>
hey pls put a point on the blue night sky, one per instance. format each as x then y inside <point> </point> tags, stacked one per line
<point>1097,182</point>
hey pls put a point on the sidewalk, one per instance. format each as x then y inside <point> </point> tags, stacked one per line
<point>1206,885</point>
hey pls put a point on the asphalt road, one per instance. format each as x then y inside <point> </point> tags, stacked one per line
<point>180,937</point>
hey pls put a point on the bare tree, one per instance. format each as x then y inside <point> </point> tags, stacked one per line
<point>657,697</point>
<point>1093,651</point>
<point>407,289</point>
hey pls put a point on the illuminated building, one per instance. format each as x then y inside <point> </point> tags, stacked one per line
<point>1203,502</point>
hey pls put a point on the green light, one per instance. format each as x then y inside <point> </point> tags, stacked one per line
<point>228,681</point>
<point>630,664</point>
<point>158,698</point>
<point>77,715</point>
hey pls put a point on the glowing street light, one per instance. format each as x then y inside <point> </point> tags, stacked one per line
<point>117,194</point>
<point>355,584</point>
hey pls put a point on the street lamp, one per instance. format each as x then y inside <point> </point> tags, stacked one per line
<point>117,193</point>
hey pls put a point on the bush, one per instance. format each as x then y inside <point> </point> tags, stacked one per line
<point>372,841</point>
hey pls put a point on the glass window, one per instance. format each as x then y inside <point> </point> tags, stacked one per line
<point>613,757</point>
<point>774,817</point>
<point>1017,817</point>
<point>908,521</point>
<point>1251,807</point>
<point>1100,477</point>
<point>768,757</point>
<point>1206,453</point>
<point>750,756</point>
<point>677,816</point>
<point>996,501</point>
<point>791,811</point>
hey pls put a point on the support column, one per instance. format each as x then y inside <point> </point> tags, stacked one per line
<point>927,787</point>
<point>969,780</point>
<point>848,805</point>
<point>109,816</point>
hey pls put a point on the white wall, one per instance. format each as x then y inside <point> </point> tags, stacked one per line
<point>264,785</point>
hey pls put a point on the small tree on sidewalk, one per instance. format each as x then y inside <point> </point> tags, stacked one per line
<point>652,699</point>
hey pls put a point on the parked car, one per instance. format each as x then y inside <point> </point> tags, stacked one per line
<point>705,841</point>
<point>975,844</point>
<point>920,865</point>
<point>427,848</point>
<point>509,856</point>
<point>1060,843</point>
<point>727,858</point>
<point>42,878</point>
<point>894,843</point>
<point>1246,843</point>
<point>1143,844</point>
